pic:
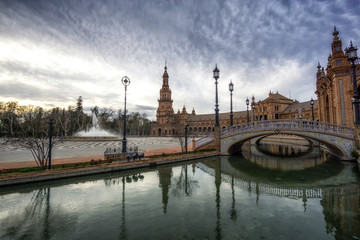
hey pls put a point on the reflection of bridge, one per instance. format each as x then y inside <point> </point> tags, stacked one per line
<point>311,159</point>
<point>263,187</point>
<point>340,138</point>
<point>297,190</point>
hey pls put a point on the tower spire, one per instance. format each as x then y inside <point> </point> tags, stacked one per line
<point>165,77</point>
<point>335,33</point>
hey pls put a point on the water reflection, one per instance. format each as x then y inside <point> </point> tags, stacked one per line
<point>217,198</point>
<point>284,150</point>
<point>184,184</point>
<point>36,221</point>
<point>273,156</point>
<point>233,214</point>
<point>165,175</point>
<point>217,230</point>
<point>123,232</point>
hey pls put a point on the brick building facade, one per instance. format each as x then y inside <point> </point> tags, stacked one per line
<point>334,88</point>
<point>275,106</point>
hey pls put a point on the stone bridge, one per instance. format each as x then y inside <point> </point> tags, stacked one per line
<point>340,139</point>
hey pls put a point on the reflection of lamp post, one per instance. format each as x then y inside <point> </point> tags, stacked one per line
<point>352,56</point>
<point>253,106</point>
<point>231,89</point>
<point>247,109</point>
<point>125,81</point>
<point>216,73</point>
<point>186,137</point>
<point>312,108</point>
<point>51,119</point>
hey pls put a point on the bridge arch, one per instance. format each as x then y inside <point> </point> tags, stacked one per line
<point>334,149</point>
<point>257,141</point>
<point>340,139</point>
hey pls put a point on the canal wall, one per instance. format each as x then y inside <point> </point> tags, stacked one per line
<point>30,177</point>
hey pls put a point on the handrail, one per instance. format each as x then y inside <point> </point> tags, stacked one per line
<point>319,127</point>
<point>282,124</point>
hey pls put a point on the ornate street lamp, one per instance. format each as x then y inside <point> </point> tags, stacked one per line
<point>231,89</point>
<point>125,81</point>
<point>51,119</point>
<point>312,108</point>
<point>352,56</point>
<point>253,107</point>
<point>216,73</point>
<point>247,109</point>
<point>186,137</point>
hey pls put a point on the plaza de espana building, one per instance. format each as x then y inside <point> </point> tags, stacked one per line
<point>334,104</point>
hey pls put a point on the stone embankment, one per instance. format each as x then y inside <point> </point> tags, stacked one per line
<point>94,167</point>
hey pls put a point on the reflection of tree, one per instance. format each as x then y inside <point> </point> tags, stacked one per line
<point>165,183</point>
<point>38,221</point>
<point>184,183</point>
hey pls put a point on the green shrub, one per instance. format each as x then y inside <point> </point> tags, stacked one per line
<point>29,169</point>
<point>355,153</point>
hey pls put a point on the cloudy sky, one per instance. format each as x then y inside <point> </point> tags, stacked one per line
<point>53,51</point>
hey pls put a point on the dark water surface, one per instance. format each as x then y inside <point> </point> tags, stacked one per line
<point>304,195</point>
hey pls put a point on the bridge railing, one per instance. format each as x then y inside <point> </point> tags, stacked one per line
<point>291,124</point>
<point>283,124</point>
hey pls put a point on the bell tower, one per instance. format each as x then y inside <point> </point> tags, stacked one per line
<point>165,110</point>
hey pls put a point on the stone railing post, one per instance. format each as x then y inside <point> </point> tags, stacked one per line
<point>193,143</point>
<point>301,124</point>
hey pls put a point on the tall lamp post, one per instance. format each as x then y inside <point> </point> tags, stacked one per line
<point>216,74</point>
<point>247,109</point>
<point>186,137</point>
<point>51,119</point>
<point>352,56</point>
<point>253,106</point>
<point>231,89</point>
<point>312,108</point>
<point>125,81</point>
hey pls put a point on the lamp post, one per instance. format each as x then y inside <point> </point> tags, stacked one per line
<point>253,106</point>
<point>186,137</point>
<point>352,56</point>
<point>125,81</point>
<point>51,119</point>
<point>231,89</point>
<point>312,108</point>
<point>247,109</point>
<point>216,74</point>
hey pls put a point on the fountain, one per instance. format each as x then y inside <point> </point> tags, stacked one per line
<point>94,133</point>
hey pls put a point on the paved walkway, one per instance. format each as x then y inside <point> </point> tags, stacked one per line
<point>85,159</point>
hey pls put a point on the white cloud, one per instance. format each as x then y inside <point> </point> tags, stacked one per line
<point>60,50</point>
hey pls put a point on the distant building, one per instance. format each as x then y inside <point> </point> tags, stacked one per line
<point>334,88</point>
<point>275,106</point>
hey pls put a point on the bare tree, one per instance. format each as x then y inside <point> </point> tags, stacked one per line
<point>39,147</point>
<point>178,128</point>
<point>34,135</point>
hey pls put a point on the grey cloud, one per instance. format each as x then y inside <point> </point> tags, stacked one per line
<point>191,35</point>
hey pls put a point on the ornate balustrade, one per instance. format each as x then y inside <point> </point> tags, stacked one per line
<point>289,125</point>
<point>301,125</point>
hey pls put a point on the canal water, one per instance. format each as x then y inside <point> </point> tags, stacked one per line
<point>267,192</point>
